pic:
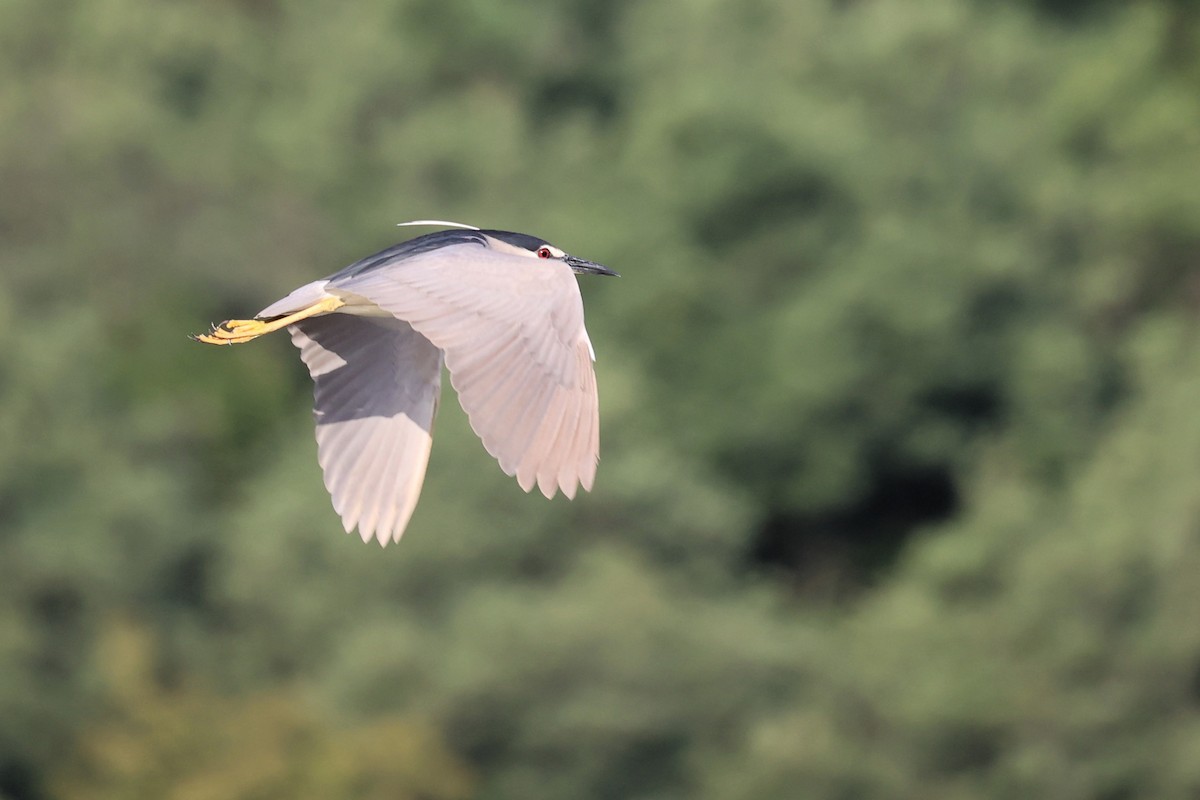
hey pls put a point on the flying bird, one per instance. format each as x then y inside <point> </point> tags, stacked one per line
<point>501,310</point>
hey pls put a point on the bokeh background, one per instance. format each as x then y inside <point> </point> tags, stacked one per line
<point>900,490</point>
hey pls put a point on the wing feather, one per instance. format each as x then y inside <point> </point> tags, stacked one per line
<point>363,484</point>
<point>377,383</point>
<point>565,474</point>
<point>543,445</point>
<point>524,432</point>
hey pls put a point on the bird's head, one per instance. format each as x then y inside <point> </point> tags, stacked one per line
<point>522,244</point>
<point>532,247</point>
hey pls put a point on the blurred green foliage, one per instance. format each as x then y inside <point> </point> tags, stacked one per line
<point>901,465</point>
<point>183,743</point>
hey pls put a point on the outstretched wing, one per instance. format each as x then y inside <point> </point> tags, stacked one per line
<point>377,383</point>
<point>514,342</point>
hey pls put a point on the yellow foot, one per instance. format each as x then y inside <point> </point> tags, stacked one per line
<point>233,331</point>
<point>237,331</point>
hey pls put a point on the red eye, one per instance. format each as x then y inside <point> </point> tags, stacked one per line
<point>543,252</point>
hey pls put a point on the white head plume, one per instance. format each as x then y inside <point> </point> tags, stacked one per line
<point>441,223</point>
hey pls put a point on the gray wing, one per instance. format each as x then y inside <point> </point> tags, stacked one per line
<point>377,383</point>
<point>519,357</point>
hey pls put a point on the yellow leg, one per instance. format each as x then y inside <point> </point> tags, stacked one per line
<point>237,331</point>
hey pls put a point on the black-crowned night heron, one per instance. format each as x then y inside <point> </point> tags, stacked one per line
<point>501,309</point>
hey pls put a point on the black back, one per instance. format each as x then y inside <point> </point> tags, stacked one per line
<point>434,241</point>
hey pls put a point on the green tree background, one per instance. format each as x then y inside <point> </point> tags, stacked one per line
<point>900,491</point>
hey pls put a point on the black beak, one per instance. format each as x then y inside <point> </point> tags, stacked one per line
<point>585,267</point>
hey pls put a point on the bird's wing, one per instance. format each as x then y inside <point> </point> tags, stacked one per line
<point>519,357</point>
<point>377,383</point>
